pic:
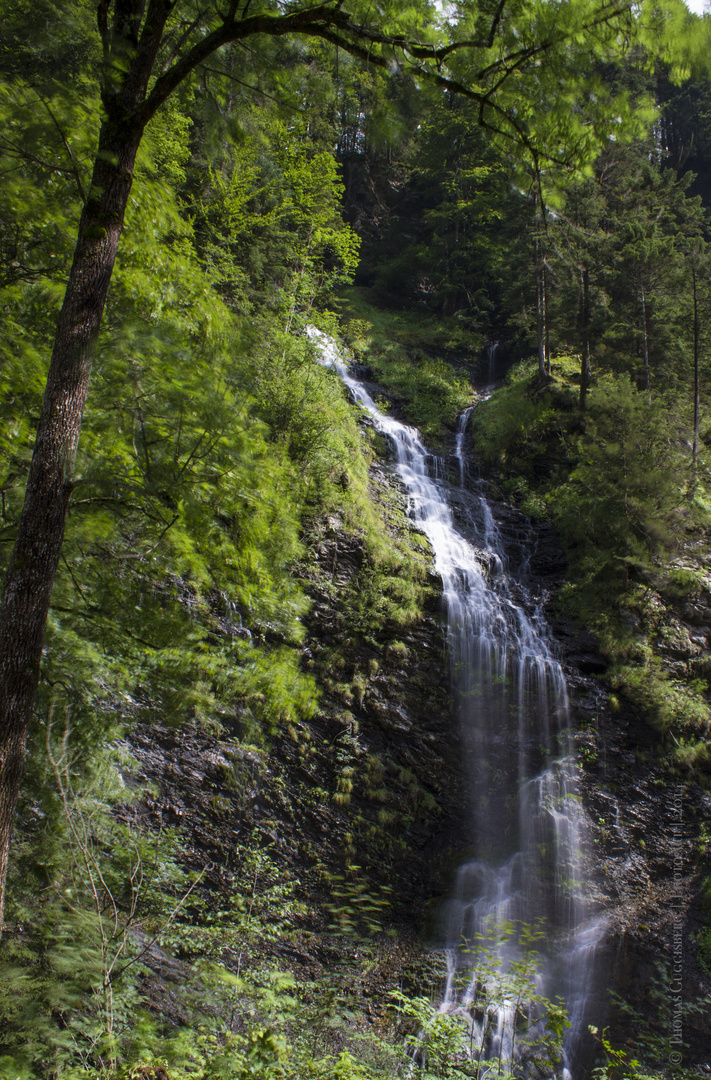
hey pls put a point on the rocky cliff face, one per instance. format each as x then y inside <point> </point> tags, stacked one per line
<point>646,856</point>
<point>358,810</point>
<point>649,859</point>
<point>353,814</point>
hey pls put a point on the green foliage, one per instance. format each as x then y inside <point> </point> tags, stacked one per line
<point>703,946</point>
<point>669,704</point>
<point>268,221</point>
<point>188,505</point>
<point>73,984</point>
<point>518,431</point>
<point>505,1010</point>
<point>561,108</point>
<point>650,1047</point>
<point>356,908</point>
<point>623,493</point>
<point>90,892</point>
<point>619,491</point>
<point>44,158</point>
<point>186,516</point>
<point>407,356</point>
<point>620,1062</point>
<point>215,451</point>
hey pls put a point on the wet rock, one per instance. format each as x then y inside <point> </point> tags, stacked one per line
<point>578,646</point>
<point>633,851</point>
<point>676,642</point>
<point>698,613</point>
<point>393,732</point>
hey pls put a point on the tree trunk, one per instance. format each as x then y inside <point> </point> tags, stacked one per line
<point>540,310</point>
<point>585,334</point>
<point>645,343</point>
<point>546,323</point>
<point>697,380</point>
<point>34,561</point>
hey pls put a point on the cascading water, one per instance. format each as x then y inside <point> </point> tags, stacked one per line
<point>491,357</point>
<point>525,816</point>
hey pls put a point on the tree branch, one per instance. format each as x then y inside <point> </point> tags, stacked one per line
<point>67,147</point>
<point>255,89</point>
<point>529,51</point>
<point>184,37</point>
<point>272,25</point>
<point>25,155</point>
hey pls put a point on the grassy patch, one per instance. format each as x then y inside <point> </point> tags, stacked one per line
<point>420,360</point>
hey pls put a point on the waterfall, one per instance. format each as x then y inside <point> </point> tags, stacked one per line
<point>491,357</point>
<point>517,929</point>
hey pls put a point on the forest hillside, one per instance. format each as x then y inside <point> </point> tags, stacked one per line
<point>286,790</point>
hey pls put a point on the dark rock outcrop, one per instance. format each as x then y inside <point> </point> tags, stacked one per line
<point>365,791</point>
<point>370,788</point>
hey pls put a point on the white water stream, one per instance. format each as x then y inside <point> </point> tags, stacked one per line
<point>525,818</point>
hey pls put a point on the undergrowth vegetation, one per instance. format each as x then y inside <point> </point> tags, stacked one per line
<point>215,450</point>
<point>223,480</point>
<point>630,510</point>
<point>415,357</point>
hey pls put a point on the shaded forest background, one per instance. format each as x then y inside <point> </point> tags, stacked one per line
<point>290,185</point>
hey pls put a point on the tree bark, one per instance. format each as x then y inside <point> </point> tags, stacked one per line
<point>35,557</point>
<point>645,343</point>
<point>585,333</point>
<point>697,378</point>
<point>540,312</point>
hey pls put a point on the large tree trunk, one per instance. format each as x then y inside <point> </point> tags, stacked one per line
<point>34,561</point>
<point>129,58</point>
